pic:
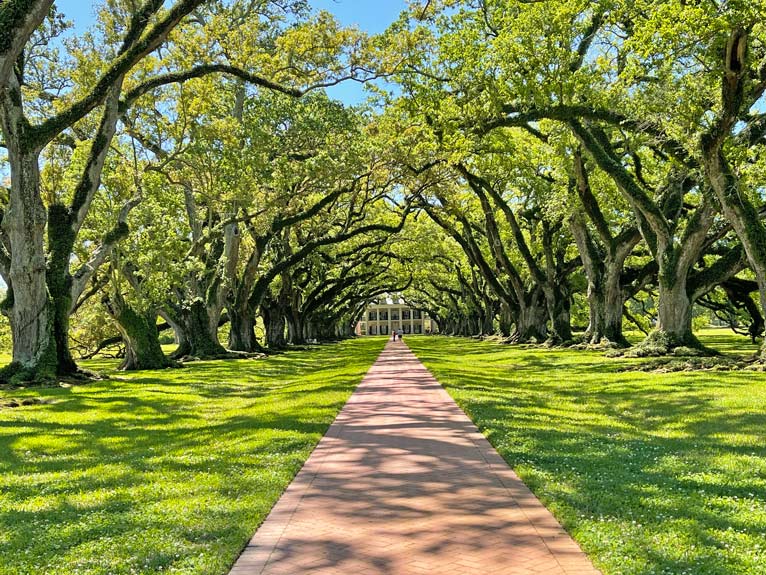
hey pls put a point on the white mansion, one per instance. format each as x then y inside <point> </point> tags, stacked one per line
<point>389,313</point>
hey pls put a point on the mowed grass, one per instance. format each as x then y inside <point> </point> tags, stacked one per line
<point>167,471</point>
<point>651,473</point>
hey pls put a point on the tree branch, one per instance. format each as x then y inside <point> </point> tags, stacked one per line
<point>82,276</point>
<point>41,134</point>
<point>18,20</point>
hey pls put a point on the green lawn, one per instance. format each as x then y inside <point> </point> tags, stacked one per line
<point>652,473</point>
<point>162,472</point>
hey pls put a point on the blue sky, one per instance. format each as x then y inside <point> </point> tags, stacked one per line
<point>372,16</point>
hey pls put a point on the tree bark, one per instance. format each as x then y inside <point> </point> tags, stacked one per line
<point>139,332</point>
<point>29,309</point>
<point>659,220</point>
<point>605,293</point>
<point>674,313</point>
<point>736,206</point>
<point>274,324</point>
<point>506,319</point>
<point>200,333</point>
<point>558,306</point>
<point>242,331</point>
<point>531,320</point>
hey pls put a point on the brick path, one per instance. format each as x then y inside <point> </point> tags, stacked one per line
<point>404,483</point>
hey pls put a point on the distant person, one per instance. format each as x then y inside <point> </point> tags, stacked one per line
<point>393,335</point>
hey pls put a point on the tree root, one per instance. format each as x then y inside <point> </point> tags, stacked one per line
<point>688,364</point>
<point>16,376</point>
<point>662,344</point>
<point>227,355</point>
<point>23,402</point>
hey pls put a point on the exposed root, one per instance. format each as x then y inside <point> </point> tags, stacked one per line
<point>168,364</point>
<point>79,377</point>
<point>663,344</point>
<point>227,355</point>
<point>670,364</point>
<point>26,401</point>
<point>16,376</point>
<point>603,345</point>
<point>558,344</point>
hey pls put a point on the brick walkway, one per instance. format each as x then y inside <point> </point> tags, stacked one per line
<point>404,483</point>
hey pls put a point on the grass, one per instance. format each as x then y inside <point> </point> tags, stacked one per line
<point>162,472</point>
<point>652,473</point>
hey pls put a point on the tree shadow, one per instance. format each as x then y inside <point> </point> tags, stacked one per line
<point>652,473</point>
<point>163,469</point>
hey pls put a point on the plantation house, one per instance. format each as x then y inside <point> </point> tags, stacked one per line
<point>388,313</point>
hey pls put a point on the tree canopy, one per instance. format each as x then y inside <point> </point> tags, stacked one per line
<point>543,171</point>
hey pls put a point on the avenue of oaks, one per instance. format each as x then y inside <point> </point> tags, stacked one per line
<point>523,168</point>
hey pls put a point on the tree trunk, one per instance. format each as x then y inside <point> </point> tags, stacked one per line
<point>140,334</point>
<point>506,320</point>
<point>674,317</point>
<point>613,302</point>
<point>531,321</point>
<point>242,331</point>
<point>274,325</point>
<point>606,300</point>
<point>742,215</point>
<point>29,309</point>
<point>200,332</point>
<point>489,315</point>
<point>723,178</point>
<point>488,323</point>
<point>557,304</point>
<point>309,331</point>
<point>295,327</point>
<point>61,237</point>
<point>604,275</point>
<point>473,323</point>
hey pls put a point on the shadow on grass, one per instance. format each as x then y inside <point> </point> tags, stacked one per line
<point>160,470</point>
<point>652,473</point>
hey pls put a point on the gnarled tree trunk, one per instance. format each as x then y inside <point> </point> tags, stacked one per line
<point>274,324</point>
<point>29,308</point>
<point>558,306</point>
<point>200,333</point>
<point>139,332</point>
<point>530,321</point>
<point>242,331</point>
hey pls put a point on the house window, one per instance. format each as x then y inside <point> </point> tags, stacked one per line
<point>405,314</point>
<point>383,315</point>
<point>384,330</point>
<point>372,316</point>
<point>407,328</point>
<point>395,314</point>
<point>418,328</point>
<point>415,314</point>
<point>373,330</point>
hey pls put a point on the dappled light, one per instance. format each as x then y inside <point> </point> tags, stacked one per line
<point>163,471</point>
<point>651,473</point>
<point>403,482</point>
<point>215,213</point>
